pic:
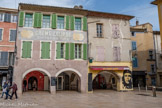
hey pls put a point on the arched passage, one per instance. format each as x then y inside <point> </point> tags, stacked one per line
<point>68,79</point>
<point>36,79</point>
<point>106,80</point>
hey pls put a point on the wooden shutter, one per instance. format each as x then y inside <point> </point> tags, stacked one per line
<point>47,47</point>
<point>42,50</point>
<point>0,34</point>
<point>39,23</point>
<point>24,50</point>
<point>21,19</point>
<point>7,17</point>
<point>84,23</point>
<point>54,21</point>
<point>29,49</point>
<point>35,19</point>
<point>58,51</point>
<point>67,22</point>
<point>67,51</point>
<point>85,51</point>
<point>12,35</point>
<point>72,22</point>
<point>72,50</point>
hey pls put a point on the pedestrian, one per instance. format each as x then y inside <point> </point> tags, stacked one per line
<point>24,85</point>
<point>3,89</point>
<point>7,90</point>
<point>14,90</point>
<point>34,85</point>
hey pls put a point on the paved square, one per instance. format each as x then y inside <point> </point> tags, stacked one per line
<point>98,99</point>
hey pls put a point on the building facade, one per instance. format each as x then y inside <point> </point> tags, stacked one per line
<point>143,54</point>
<point>51,49</point>
<point>109,50</point>
<point>8,24</point>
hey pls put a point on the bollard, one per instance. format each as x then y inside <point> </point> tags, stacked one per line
<point>154,91</point>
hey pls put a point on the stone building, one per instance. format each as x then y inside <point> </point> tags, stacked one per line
<point>109,49</point>
<point>143,54</point>
<point>8,23</point>
<point>51,49</point>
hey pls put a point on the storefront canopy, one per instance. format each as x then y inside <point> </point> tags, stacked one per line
<point>109,67</point>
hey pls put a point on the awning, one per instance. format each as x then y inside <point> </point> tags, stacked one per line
<point>109,67</point>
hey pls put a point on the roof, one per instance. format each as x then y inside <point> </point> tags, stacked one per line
<point>9,10</point>
<point>156,32</point>
<point>43,8</point>
<point>154,2</point>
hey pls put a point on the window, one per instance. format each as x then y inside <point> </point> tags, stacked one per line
<point>135,62</point>
<point>28,20</point>
<point>153,81</point>
<point>12,35</point>
<point>3,58</point>
<point>45,50</point>
<point>7,17</point>
<point>11,58</point>
<point>46,21</point>
<point>26,49</point>
<point>62,50</point>
<point>60,22</point>
<point>1,34</point>
<point>150,54</point>
<point>14,18</point>
<point>77,23</point>
<point>1,16</point>
<point>153,68</point>
<point>78,51</point>
<point>134,45</point>
<point>115,31</point>
<point>116,53</point>
<point>99,30</point>
<point>133,33</point>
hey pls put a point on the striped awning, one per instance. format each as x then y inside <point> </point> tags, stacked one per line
<point>109,67</point>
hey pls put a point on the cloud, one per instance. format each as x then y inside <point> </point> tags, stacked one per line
<point>61,3</point>
<point>144,13</point>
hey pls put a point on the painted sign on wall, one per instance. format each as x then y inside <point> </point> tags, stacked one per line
<point>127,79</point>
<point>56,35</point>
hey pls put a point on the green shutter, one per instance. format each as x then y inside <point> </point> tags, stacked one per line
<point>29,46</point>
<point>67,51</point>
<point>35,19</point>
<point>72,50</point>
<point>72,22</point>
<point>84,23</point>
<point>39,23</point>
<point>21,19</point>
<point>43,50</point>
<point>54,21</point>
<point>67,22</point>
<point>85,51</point>
<point>47,48</point>
<point>58,51</point>
<point>24,49</point>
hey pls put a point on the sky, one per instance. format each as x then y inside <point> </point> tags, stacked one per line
<point>143,11</point>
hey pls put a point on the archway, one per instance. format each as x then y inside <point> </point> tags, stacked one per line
<point>68,80</point>
<point>106,80</point>
<point>36,80</point>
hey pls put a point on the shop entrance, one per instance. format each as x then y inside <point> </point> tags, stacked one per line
<point>105,81</point>
<point>69,81</point>
<point>32,83</point>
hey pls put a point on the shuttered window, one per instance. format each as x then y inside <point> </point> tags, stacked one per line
<point>37,20</point>
<point>53,21</point>
<point>21,19</point>
<point>1,30</point>
<point>135,62</point>
<point>26,49</point>
<point>60,22</point>
<point>45,50</point>
<point>3,58</point>
<point>46,21</point>
<point>78,51</point>
<point>134,46</point>
<point>1,16</point>
<point>116,54</point>
<point>12,35</point>
<point>28,20</point>
<point>85,23</point>
<point>72,22</point>
<point>78,23</point>
<point>7,17</point>
<point>14,18</point>
<point>67,22</point>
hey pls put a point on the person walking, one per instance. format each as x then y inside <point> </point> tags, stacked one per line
<point>24,85</point>
<point>7,90</point>
<point>14,90</point>
<point>4,89</point>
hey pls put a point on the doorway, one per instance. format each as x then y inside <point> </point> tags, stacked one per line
<point>32,83</point>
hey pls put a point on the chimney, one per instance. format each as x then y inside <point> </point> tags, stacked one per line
<point>137,22</point>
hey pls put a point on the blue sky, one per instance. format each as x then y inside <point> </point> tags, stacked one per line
<point>141,9</point>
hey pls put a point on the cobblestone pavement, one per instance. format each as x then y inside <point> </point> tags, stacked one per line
<point>98,99</point>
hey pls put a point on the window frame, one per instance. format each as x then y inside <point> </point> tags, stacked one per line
<point>101,30</point>
<point>63,23</point>
<point>80,23</point>
<point>10,34</point>
<point>49,21</point>
<point>135,47</point>
<point>78,51</point>
<point>136,63</point>
<point>32,20</point>
<point>2,17</point>
<point>40,52</point>
<point>31,49</point>
<point>2,34</point>
<point>12,17</point>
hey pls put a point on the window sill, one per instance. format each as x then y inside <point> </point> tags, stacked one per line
<point>98,37</point>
